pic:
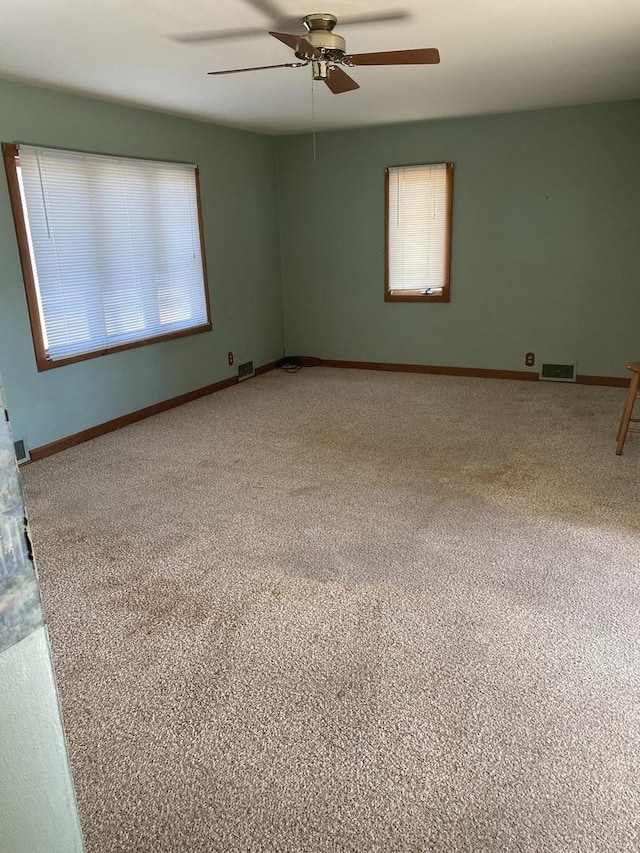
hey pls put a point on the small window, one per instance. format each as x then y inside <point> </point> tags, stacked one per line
<point>111,251</point>
<point>418,232</point>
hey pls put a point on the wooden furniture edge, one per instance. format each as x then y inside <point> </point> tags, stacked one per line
<point>139,415</point>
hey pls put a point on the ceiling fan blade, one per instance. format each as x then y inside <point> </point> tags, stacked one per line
<point>380,18</point>
<point>339,81</point>
<point>259,68</point>
<point>217,35</point>
<point>278,20</point>
<point>297,43</point>
<point>203,36</point>
<point>423,56</point>
<point>269,9</point>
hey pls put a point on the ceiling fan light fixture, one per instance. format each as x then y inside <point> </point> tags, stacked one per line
<point>320,69</point>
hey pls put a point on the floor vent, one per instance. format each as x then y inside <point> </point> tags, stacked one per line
<point>22,454</point>
<point>246,371</point>
<point>558,372</point>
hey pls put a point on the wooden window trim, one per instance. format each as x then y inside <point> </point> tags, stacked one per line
<point>10,155</point>
<point>445,296</point>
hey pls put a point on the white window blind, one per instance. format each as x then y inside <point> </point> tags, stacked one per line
<point>418,228</point>
<point>115,248</point>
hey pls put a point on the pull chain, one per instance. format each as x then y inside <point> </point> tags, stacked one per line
<point>313,118</point>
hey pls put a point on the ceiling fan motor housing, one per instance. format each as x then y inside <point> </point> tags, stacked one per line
<point>320,26</point>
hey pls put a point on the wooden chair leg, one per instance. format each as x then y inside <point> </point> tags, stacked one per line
<point>627,411</point>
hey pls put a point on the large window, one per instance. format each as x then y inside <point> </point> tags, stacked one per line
<point>111,250</point>
<point>418,232</point>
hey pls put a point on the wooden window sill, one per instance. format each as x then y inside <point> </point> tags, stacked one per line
<point>398,296</point>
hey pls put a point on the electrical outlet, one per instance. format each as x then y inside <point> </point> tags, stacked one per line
<point>230,357</point>
<point>530,359</point>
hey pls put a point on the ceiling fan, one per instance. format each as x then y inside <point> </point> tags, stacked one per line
<point>326,51</point>
<point>278,20</point>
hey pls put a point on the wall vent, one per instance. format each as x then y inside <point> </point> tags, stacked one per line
<point>245,371</point>
<point>558,372</point>
<point>22,454</point>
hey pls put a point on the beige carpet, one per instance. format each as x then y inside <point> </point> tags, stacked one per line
<point>351,611</point>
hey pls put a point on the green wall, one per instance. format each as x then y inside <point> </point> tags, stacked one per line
<point>239,201</point>
<point>546,239</point>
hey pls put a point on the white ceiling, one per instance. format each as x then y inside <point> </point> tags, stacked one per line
<point>496,56</point>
